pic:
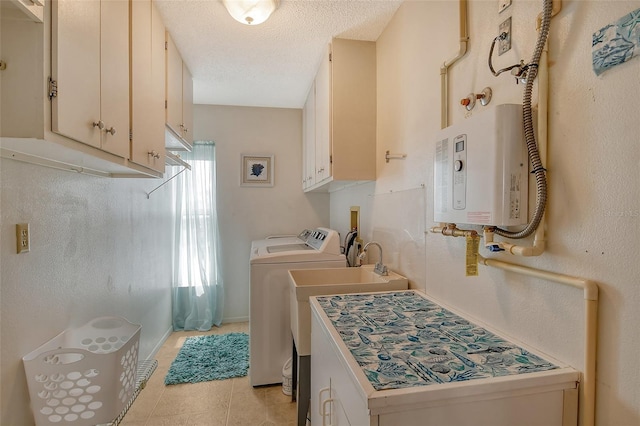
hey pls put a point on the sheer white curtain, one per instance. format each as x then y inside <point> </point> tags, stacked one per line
<point>198,291</point>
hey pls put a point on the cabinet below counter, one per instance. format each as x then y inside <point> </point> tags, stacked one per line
<point>398,358</point>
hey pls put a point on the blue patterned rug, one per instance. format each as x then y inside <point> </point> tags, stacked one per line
<point>211,357</point>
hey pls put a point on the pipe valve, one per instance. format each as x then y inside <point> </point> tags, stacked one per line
<point>470,101</point>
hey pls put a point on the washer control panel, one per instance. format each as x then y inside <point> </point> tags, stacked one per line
<point>324,240</point>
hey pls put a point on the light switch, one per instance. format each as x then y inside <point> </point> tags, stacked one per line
<point>503,4</point>
<point>505,43</point>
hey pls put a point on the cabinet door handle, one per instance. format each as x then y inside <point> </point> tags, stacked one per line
<point>99,124</point>
<point>324,411</point>
<point>153,154</point>
<point>323,390</point>
<point>111,130</point>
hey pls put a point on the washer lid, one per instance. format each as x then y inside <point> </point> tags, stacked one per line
<point>276,241</point>
<point>288,247</point>
<point>298,256</point>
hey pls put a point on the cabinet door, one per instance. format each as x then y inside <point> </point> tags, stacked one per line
<point>323,119</point>
<point>75,65</point>
<point>321,370</point>
<point>174,87</point>
<point>158,79</point>
<point>332,382</point>
<point>147,85</point>
<point>90,62</point>
<point>326,407</point>
<point>114,80</point>
<point>187,105</point>
<point>338,410</point>
<point>309,140</point>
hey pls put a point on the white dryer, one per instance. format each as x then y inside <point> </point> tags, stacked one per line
<point>270,340</point>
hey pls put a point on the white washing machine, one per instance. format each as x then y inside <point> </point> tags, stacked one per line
<point>270,340</point>
<point>280,240</point>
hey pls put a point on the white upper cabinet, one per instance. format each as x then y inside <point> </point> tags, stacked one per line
<point>147,85</point>
<point>174,87</point>
<point>187,105</point>
<point>344,118</point>
<point>179,102</point>
<point>90,63</point>
<point>71,96</point>
<point>23,81</point>
<point>309,139</point>
<point>323,118</point>
<point>353,110</point>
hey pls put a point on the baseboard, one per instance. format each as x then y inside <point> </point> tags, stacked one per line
<point>170,330</point>
<point>234,319</point>
<point>158,345</point>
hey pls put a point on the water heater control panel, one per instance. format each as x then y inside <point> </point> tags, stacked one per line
<point>460,172</point>
<point>481,170</point>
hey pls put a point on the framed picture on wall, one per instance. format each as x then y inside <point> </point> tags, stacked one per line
<point>256,170</point>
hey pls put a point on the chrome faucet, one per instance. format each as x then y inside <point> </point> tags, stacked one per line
<point>379,269</point>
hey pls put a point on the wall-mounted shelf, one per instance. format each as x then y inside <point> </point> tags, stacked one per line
<point>175,160</point>
<point>172,159</point>
<point>89,160</point>
<point>175,142</point>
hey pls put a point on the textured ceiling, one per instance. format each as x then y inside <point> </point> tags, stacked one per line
<point>271,64</point>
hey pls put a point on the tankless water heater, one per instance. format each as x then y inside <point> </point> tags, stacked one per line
<point>481,170</point>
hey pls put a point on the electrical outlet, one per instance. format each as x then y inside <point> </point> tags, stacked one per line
<point>503,4</point>
<point>22,237</point>
<point>504,44</point>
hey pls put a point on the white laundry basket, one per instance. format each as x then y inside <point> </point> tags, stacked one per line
<point>287,381</point>
<point>84,376</point>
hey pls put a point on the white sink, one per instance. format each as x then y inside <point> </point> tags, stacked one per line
<point>305,283</point>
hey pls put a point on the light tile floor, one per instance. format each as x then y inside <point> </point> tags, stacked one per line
<point>232,402</point>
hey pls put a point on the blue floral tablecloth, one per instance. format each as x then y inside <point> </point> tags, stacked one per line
<point>616,43</point>
<point>401,340</point>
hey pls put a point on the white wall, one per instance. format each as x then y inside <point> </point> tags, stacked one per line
<point>248,213</point>
<point>98,247</point>
<point>594,181</point>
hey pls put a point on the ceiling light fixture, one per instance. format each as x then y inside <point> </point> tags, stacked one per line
<point>251,12</point>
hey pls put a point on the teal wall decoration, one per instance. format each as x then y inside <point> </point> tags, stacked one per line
<point>616,43</point>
